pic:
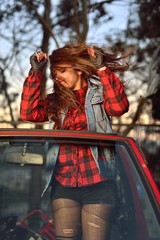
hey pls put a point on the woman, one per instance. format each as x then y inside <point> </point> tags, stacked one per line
<point>86,93</point>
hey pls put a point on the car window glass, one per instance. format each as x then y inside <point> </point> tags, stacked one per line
<point>23,175</point>
<point>138,190</point>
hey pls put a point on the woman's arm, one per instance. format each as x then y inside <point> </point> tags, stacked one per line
<point>31,107</point>
<point>115,99</point>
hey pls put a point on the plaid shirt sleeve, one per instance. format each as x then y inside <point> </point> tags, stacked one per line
<point>115,99</point>
<point>32,108</point>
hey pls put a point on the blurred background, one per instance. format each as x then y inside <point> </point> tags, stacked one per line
<point>27,26</point>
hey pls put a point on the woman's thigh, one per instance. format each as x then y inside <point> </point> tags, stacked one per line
<point>67,217</point>
<point>96,221</point>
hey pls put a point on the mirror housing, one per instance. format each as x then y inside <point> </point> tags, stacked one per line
<point>28,158</point>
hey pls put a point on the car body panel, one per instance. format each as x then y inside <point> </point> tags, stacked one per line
<point>139,195</point>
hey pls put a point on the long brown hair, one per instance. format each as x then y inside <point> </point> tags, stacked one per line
<point>77,56</point>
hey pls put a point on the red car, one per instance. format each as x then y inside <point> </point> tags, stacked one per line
<point>25,214</point>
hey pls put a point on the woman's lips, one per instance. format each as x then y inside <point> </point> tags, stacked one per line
<point>59,79</point>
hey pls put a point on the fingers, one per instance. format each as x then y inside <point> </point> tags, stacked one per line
<point>96,56</point>
<point>91,52</point>
<point>38,61</point>
<point>40,56</point>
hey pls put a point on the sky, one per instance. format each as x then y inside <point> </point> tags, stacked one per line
<point>120,12</point>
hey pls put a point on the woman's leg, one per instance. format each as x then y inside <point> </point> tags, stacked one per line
<point>96,221</point>
<point>67,219</point>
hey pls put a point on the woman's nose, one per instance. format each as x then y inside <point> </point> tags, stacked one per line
<point>58,77</point>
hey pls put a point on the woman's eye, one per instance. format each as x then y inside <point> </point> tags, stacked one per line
<point>62,70</point>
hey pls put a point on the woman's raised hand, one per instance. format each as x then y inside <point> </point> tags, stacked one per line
<point>96,56</point>
<point>38,61</point>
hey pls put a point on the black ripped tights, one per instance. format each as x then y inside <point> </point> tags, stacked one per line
<point>72,221</point>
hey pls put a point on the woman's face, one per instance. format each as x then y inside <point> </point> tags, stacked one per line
<point>69,77</point>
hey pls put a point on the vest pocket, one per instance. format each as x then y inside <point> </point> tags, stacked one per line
<point>102,120</point>
<point>97,98</point>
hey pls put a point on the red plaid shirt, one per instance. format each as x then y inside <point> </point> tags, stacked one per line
<point>75,165</point>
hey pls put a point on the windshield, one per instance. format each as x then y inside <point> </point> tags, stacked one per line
<point>23,174</point>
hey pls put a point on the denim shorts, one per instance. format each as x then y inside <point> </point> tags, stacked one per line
<point>103,192</point>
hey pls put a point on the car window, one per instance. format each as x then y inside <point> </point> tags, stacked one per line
<point>23,175</point>
<point>134,183</point>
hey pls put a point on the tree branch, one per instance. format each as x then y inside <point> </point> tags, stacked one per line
<point>40,18</point>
